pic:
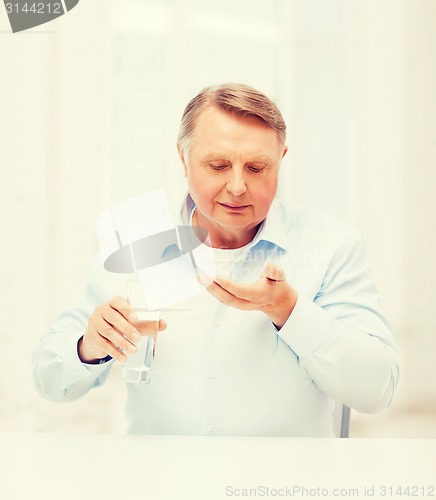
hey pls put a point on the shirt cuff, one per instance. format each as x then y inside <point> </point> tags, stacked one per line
<point>103,360</point>
<point>307,328</point>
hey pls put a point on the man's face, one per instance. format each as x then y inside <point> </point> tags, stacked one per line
<point>232,170</point>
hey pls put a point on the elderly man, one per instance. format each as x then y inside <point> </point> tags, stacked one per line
<point>289,326</point>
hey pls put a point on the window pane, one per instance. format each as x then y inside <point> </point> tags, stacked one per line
<point>137,115</point>
<point>218,61</point>
<point>262,9</point>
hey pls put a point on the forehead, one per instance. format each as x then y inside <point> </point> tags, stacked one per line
<point>219,130</point>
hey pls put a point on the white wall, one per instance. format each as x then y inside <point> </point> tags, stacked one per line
<point>393,75</point>
<point>90,105</point>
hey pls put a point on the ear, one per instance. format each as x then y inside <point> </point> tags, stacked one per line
<point>182,159</point>
<point>284,152</point>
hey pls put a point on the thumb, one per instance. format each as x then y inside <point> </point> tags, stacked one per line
<point>273,272</point>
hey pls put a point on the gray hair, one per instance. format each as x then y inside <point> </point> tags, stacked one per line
<point>235,98</point>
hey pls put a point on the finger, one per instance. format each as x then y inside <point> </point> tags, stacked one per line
<point>227,298</point>
<point>151,327</point>
<point>115,353</point>
<point>104,345</point>
<point>119,322</point>
<point>122,305</point>
<point>245,291</point>
<point>273,272</point>
<point>111,337</point>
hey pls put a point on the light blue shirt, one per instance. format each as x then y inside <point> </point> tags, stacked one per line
<point>222,371</point>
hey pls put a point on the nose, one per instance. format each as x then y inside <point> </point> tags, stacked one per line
<point>236,183</point>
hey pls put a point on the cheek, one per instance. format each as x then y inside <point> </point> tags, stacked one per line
<point>264,194</point>
<point>262,205</point>
<point>205,186</point>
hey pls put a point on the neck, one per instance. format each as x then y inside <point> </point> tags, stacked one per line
<point>223,238</point>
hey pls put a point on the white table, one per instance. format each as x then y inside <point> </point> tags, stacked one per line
<point>73,466</point>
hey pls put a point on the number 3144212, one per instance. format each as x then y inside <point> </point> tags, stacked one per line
<point>34,8</point>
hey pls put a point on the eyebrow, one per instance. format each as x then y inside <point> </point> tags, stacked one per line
<point>220,156</point>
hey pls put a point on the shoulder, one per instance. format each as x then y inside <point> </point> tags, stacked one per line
<point>311,227</point>
<point>318,219</point>
<point>298,217</point>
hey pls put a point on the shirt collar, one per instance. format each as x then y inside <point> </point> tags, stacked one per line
<point>274,228</point>
<point>186,209</point>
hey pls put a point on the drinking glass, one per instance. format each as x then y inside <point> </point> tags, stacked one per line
<point>139,366</point>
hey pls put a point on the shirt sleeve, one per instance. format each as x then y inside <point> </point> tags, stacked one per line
<point>58,372</point>
<point>344,343</point>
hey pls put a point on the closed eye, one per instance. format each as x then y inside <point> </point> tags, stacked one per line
<point>255,169</point>
<point>218,167</point>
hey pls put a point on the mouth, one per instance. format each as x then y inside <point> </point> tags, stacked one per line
<point>233,208</point>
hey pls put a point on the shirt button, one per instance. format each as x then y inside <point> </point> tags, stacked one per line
<point>213,375</point>
<point>210,428</point>
<point>217,322</point>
